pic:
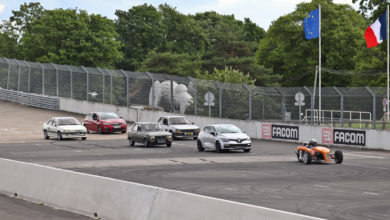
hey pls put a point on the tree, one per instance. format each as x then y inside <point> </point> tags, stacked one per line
<point>27,14</point>
<point>228,75</point>
<point>287,52</point>
<point>72,37</point>
<point>140,30</point>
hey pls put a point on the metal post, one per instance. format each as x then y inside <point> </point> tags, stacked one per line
<point>28,76</point>
<point>319,63</point>
<point>55,67</point>
<point>71,81</point>
<point>314,96</point>
<point>341,105</point>
<point>373,106</point>
<point>249,101</point>
<point>43,78</point>
<point>127,87</point>
<point>18,75</point>
<point>312,104</point>
<point>110,84</point>
<point>102,83</point>
<point>9,72</point>
<point>153,98</point>
<point>219,98</point>
<point>387,36</point>
<point>87,81</point>
<point>283,104</point>
<point>195,95</point>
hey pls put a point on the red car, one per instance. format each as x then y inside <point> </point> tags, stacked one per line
<point>105,122</point>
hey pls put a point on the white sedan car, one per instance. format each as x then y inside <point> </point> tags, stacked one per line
<point>221,137</point>
<point>64,127</point>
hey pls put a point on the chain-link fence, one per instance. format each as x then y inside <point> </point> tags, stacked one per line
<point>358,106</point>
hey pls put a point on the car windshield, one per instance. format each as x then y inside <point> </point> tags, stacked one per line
<point>178,121</point>
<point>68,121</point>
<point>108,115</point>
<point>152,127</point>
<point>227,129</point>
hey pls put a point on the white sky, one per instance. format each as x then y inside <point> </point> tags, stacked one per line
<point>262,12</point>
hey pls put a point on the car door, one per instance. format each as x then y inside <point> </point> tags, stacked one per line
<point>133,132</point>
<point>52,130</point>
<point>87,121</point>
<point>212,138</point>
<point>206,137</point>
<point>94,122</point>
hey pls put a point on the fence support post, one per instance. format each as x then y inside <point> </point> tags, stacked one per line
<point>86,71</point>
<point>153,98</point>
<point>103,84</point>
<point>219,97</point>
<point>249,101</point>
<point>71,81</point>
<point>55,67</point>
<point>28,76</point>
<point>283,104</point>
<point>311,104</point>
<point>110,84</point>
<point>195,95</point>
<point>373,106</point>
<point>127,87</point>
<point>43,78</point>
<point>9,72</point>
<point>18,75</point>
<point>341,105</point>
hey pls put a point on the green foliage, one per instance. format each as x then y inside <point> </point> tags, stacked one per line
<point>72,37</point>
<point>287,52</point>
<point>27,14</point>
<point>228,75</point>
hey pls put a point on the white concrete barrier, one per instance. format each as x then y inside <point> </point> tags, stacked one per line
<point>114,199</point>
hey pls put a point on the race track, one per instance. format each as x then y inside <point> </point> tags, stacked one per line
<point>268,176</point>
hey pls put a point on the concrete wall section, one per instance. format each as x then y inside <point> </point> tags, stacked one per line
<point>115,199</point>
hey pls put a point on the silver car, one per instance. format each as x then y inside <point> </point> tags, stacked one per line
<point>220,137</point>
<point>64,127</point>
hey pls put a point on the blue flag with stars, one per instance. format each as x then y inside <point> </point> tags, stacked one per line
<point>311,25</point>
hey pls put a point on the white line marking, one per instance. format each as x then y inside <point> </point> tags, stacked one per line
<point>323,186</point>
<point>359,155</point>
<point>371,193</point>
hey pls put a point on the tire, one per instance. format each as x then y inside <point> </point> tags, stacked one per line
<point>146,143</point>
<point>298,157</point>
<point>83,138</point>
<point>45,135</point>
<point>307,157</point>
<point>131,142</point>
<point>247,150</point>
<point>218,148</point>
<point>200,146</point>
<point>169,144</point>
<point>59,136</point>
<point>99,130</point>
<point>338,157</point>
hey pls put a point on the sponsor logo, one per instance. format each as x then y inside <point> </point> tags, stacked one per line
<point>327,136</point>
<point>349,137</point>
<point>266,131</point>
<point>285,132</point>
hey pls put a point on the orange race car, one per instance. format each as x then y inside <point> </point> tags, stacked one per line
<point>311,152</point>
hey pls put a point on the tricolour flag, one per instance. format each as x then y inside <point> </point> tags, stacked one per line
<point>376,32</point>
<point>311,24</point>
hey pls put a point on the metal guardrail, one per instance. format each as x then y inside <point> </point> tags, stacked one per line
<point>39,101</point>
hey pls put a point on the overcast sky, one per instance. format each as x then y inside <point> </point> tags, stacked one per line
<point>262,12</point>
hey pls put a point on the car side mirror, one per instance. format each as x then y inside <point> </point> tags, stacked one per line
<point>213,133</point>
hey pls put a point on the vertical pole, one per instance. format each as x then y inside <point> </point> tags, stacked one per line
<point>196,97</point>
<point>387,36</point>
<point>103,84</point>
<point>57,84</point>
<point>9,72</point>
<point>249,101</point>
<point>311,103</point>
<point>28,76</point>
<point>43,78</point>
<point>319,64</point>
<point>153,98</point>
<point>127,87</point>
<point>86,71</point>
<point>314,97</point>
<point>18,76</point>
<point>373,106</point>
<point>220,99</point>
<point>172,108</point>
<point>71,81</point>
<point>283,104</point>
<point>110,85</point>
<point>341,105</point>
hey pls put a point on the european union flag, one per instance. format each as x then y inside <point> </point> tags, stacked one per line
<point>311,25</point>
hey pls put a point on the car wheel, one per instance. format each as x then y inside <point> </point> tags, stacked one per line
<point>83,138</point>
<point>299,156</point>
<point>59,136</point>
<point>45,135</point>
<point>169,144</point>
<point>99,130</point>
<point>218,147</point>
<point>131,142</point>
<point>146,143</point>
<point>200,146</point>
<point>338,157</point>
<point>307,157</point>
<point>247,150</point>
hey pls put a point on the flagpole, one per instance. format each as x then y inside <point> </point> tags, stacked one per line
<point>387,35</point>
<point>319,64</point>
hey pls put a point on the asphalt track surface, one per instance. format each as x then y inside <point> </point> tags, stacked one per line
<point>268,176</point>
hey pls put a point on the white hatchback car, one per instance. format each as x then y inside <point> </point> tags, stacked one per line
<point>221,137</point>
<point>64,127</point>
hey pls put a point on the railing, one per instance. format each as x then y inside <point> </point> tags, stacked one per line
<point>39,101</point>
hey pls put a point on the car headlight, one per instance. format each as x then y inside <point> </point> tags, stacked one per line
<point>177,131</point>
<point>151,137</point>
<point>225,139</point>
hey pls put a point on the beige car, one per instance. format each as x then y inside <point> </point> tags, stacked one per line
<point>149,133</point>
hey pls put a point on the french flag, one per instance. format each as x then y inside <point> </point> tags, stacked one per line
<point>376,32</point>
